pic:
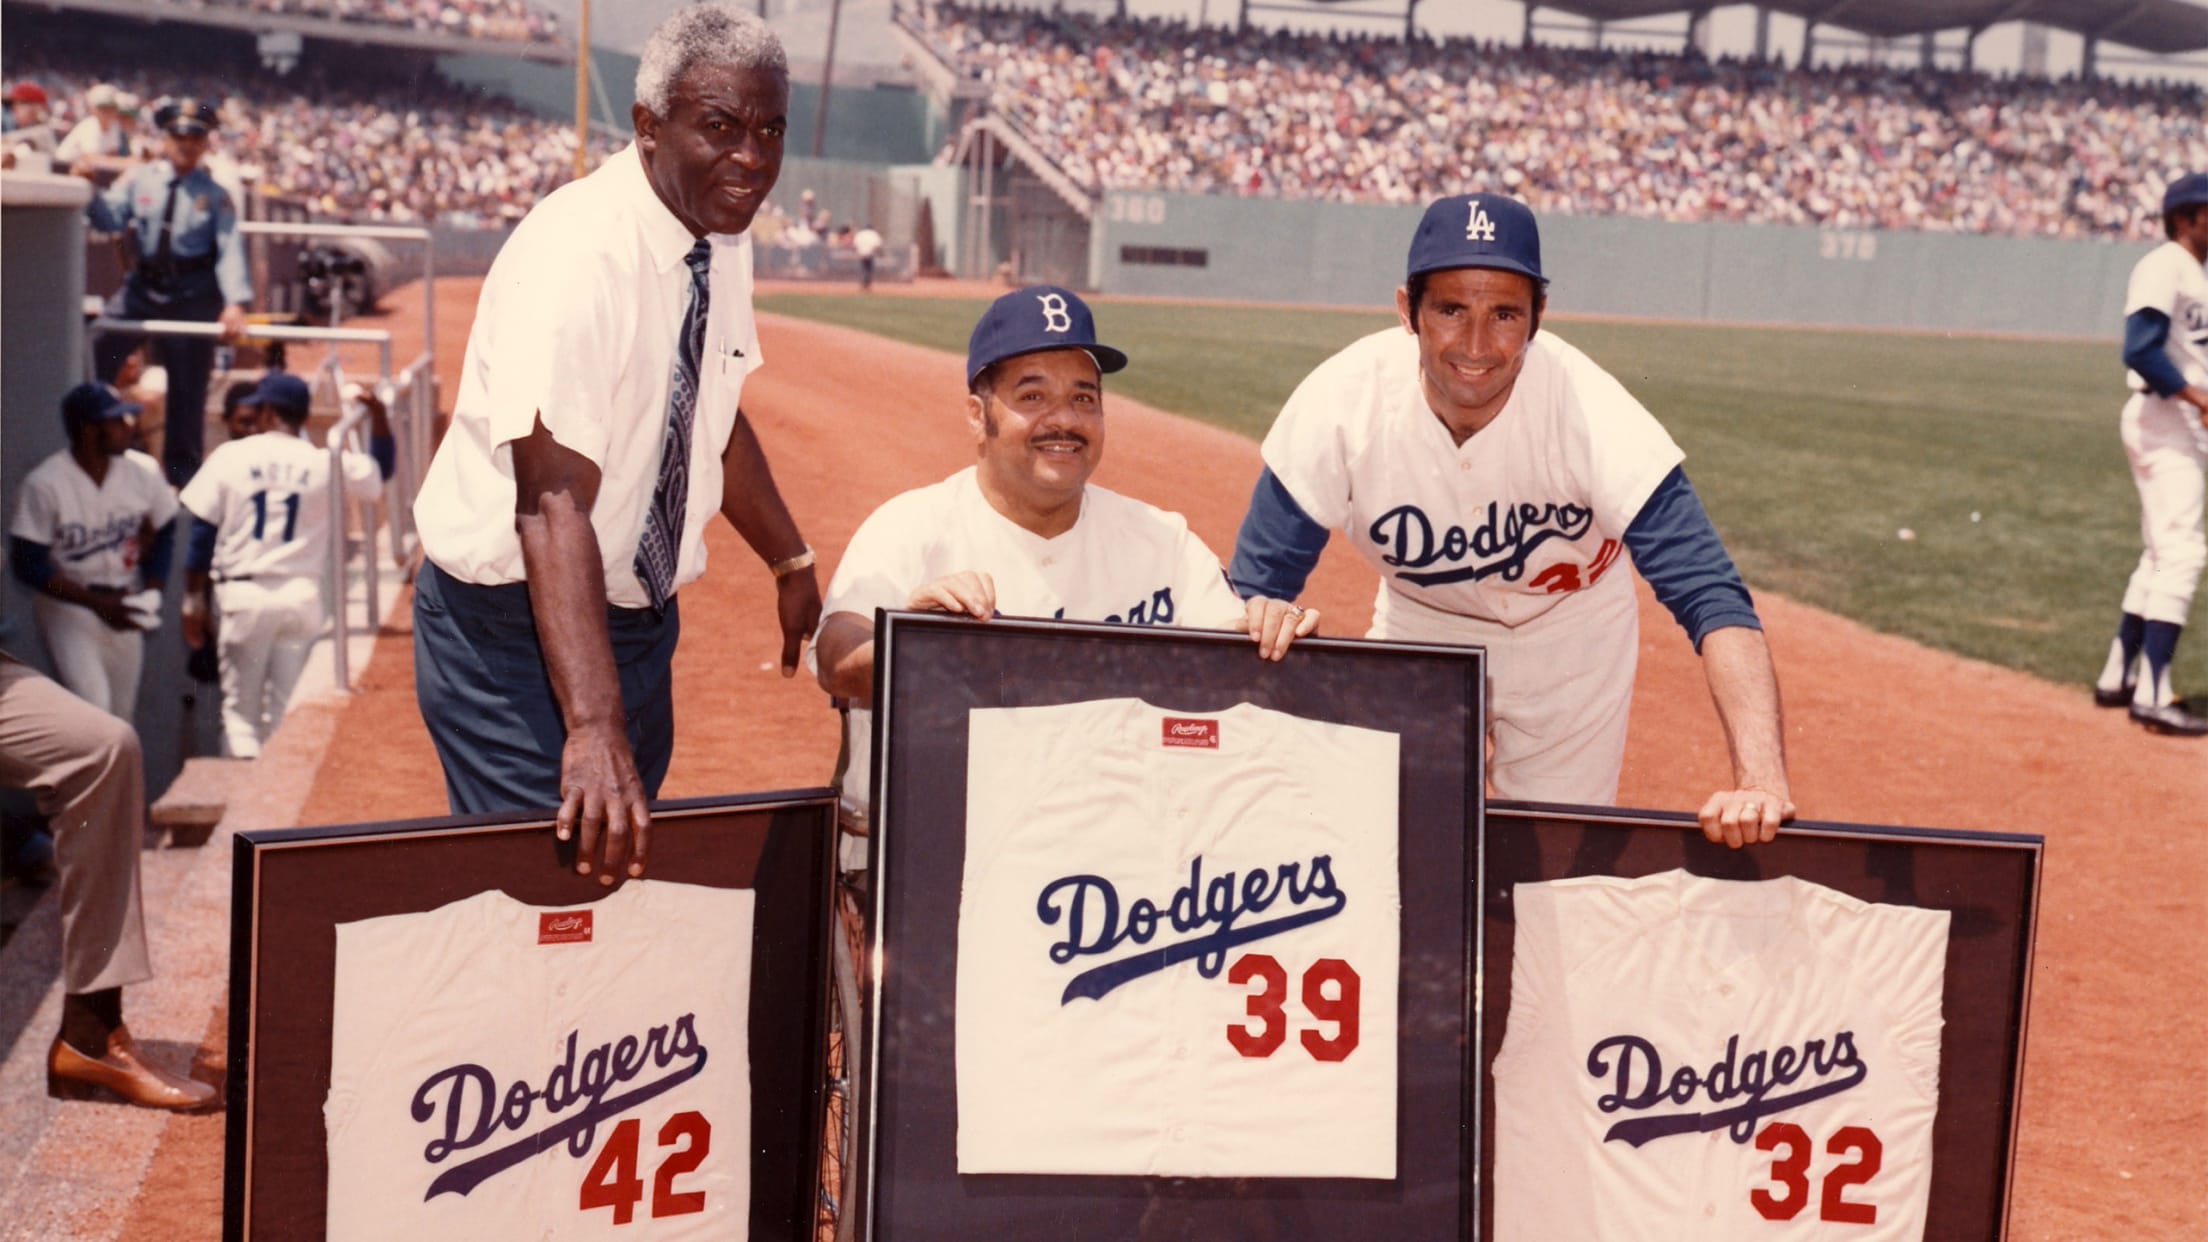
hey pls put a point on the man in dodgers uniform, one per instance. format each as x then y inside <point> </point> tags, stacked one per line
<point>1178,944</point>
<point>1717,1059</point>
<point>261,537</point>
<point>1497,478</point>
<point>91,535</point>
<point>499,1070</point>
<point>2165,434</point>
<point>1021,533</point>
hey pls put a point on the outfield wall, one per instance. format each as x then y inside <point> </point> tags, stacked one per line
<point>1271,250</point>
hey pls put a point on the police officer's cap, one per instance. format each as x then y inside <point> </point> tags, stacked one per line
<point>185,115</point>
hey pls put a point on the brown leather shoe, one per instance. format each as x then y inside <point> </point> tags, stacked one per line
<point>71,1075</point>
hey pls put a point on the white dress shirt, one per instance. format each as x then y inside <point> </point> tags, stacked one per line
<point>576,325</point>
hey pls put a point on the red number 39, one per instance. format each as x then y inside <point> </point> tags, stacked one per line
<point>1269,1006</point>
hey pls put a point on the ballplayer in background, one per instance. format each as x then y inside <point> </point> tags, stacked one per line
<point>261,515</point>
<point>1498,479</point>
<point>91,535</point>
<point>1179,937</point>
<point>1719,1060</point>
<point>499,1070</point>
<point>1021,533</point>
<point>2165,433</point>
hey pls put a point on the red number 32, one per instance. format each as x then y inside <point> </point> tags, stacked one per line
<point>1791,1171</point>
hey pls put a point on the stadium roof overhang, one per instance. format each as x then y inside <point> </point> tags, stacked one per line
<point>2162,27</point>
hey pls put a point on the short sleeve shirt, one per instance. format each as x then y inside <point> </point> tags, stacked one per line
<point>576,326</point>
<point>1123,561</point>
<point>1527,511</point>
<point>91,529</point>
<point>2169,279</point>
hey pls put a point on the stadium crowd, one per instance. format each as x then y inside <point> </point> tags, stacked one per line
<point>514,20</point>
<point>418,150</point>
<point>1152,105</point>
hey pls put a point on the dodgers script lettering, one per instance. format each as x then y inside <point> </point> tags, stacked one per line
<point>465,1103</point>
<point>1501,544</point>
<point>1206,912</point>
<point>1635,1071</point>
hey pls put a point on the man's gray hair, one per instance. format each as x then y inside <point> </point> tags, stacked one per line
<point>705,34</point>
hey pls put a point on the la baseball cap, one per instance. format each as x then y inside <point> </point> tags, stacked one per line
<point>1477,230</point>
<point>2190,190</point>
<point>185,116</point>
<point>282,392</point>
<point>1033,319</point>
<point>90,403</point>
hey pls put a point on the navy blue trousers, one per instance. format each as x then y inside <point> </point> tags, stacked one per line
<point>486,696</point>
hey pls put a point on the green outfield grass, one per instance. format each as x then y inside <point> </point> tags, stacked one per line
<point>1811,449</point>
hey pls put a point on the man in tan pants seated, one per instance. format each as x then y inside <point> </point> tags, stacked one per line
<point>85,767</point>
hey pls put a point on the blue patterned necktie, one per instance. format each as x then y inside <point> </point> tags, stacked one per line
<point>661,546</point>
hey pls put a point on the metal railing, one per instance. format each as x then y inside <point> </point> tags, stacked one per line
<point>411,405</point>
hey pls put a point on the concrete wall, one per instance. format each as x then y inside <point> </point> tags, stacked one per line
<point>1352,254</point>
<point>41,357</point>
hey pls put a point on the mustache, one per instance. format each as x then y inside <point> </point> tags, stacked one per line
<point>1059,437</point>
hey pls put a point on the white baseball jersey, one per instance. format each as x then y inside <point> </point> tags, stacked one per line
<point>499,1070</point>
<point>268,495</point>
<point>1710,1059</point>
<point>1178,937</point>
<point>92,528</point>
<point>1502,528</point>
<point>2169,279</point>
<point>1122,561</point>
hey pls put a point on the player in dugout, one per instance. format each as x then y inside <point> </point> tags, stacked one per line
<point>1022,532</point>
<point>1497,478</point>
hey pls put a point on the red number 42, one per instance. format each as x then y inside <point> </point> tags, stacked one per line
<point>1268,1006</point>
<point>1791,1171</point>
<point>612,1180</point>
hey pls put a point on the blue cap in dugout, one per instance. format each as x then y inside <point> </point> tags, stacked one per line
<point>94,403</point>
<point>2190,190</point>
<point>284,392</point>
<point>1036,318</point>
<point>1477,230</point>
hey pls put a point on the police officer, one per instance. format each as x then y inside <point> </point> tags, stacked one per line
<point>188,263</point>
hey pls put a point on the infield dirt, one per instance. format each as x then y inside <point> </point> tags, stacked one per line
<point>1879,730</point>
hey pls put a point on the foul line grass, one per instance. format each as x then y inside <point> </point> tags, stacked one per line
<point>1813,451</point>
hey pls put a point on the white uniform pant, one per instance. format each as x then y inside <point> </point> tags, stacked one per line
<point>2168,452</point>
<point>97,663</point>
<point>1559,686</point>
<point>268,626</point>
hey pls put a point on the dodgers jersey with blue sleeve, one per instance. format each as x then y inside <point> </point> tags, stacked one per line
<point>500,1070</point>
<point>1717,1060</point>
<point>1501,528</point>
<point>2169,279</point>
<point>1122,561</point>
<point>92,528</point>
<point>1178,944</point>
<point>268,496</point>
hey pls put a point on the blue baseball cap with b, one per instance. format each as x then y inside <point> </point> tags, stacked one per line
<point>285,393</point>
<point>2190,190</point>
<point>94,403</point>
<point>1036,318</point>
<point>1477,230</point>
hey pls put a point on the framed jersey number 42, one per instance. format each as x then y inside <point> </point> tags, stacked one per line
<point>612,1181</point>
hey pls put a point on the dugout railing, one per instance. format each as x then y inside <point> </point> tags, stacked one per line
<point>410,400</point>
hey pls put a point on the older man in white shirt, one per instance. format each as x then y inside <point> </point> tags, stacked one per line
<point>597,431</point>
